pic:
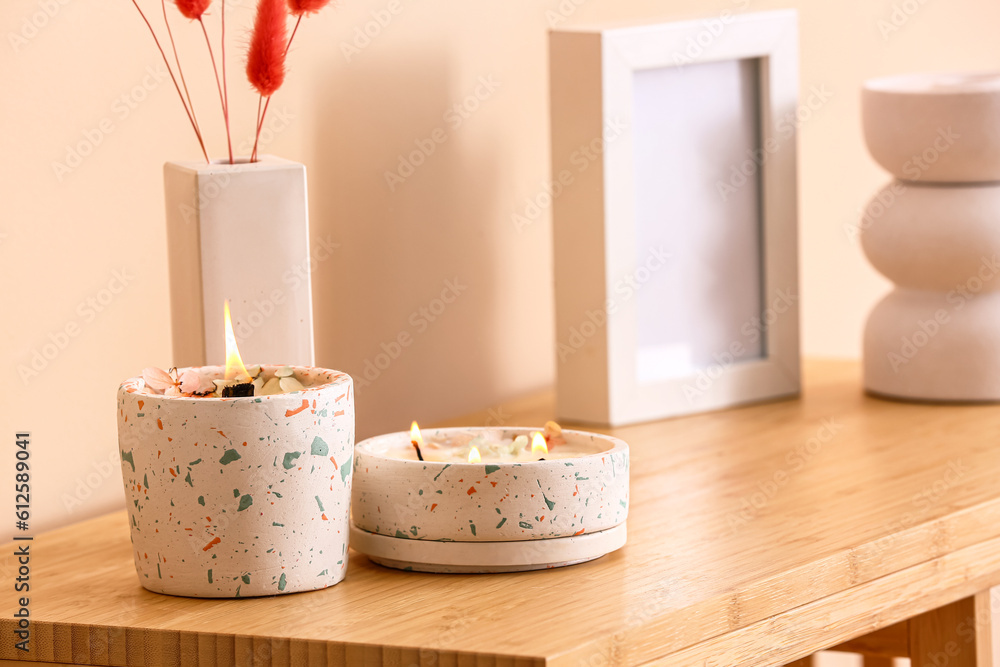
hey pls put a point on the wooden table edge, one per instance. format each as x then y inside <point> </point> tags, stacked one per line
<point>942,534</point>
<point>84,644</point>
<point>915,590</point>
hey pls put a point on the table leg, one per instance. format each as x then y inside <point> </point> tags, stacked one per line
<point>877,661</point>
<point>957,635</point>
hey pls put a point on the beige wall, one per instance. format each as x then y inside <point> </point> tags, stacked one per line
<point>96,232</point>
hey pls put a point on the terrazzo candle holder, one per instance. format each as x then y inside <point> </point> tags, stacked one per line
<point>437,516</point>
<point>239,497</point>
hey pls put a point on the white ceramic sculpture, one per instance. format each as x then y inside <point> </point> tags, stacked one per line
<point>935,232</point>
<point>937,128</point>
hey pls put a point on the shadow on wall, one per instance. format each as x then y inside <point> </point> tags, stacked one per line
<point>408,305</point>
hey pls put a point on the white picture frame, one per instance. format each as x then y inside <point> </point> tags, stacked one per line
<point>645,120</point>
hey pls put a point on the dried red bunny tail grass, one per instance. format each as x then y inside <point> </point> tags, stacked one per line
<point>170,71</point>
<point>266,57</point>
<point>300,7</point>
<point>193,9</point>
<point>180,73</point>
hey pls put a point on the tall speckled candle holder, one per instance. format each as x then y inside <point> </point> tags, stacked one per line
<point>239,497</point>
<point>489,516</point>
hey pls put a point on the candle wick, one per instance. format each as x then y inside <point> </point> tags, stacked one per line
<point>416,446</point>
<point>237,389</point>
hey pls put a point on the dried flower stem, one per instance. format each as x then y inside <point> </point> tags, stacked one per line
<point>218,83</point>
<point>292,36</point>
<point>260,126</point>
<point>170,71</point>
<point>253,153</point>
<point>180,72</point>
<point>225,86</point>
<point>260,117</point>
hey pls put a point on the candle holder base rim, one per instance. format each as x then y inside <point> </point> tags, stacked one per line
<point>445,557</point>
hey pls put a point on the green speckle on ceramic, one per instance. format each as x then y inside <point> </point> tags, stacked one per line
<point>289,461</point>
<point>229,456</point>
<point>319,447</point>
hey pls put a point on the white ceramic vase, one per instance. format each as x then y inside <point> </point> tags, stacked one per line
<point>239,232</point>
<point>239,497</point>
<point>935,232</point>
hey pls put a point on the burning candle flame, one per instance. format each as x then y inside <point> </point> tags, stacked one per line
<point>474,456</point>
<point>234,364</point>
<point>538,445</point>
<point>416,439</point>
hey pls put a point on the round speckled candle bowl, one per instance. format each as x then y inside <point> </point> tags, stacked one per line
<point>238,497</point>
<point>504,516</point>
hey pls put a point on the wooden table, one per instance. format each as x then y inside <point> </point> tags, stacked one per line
<point>756,537</point>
